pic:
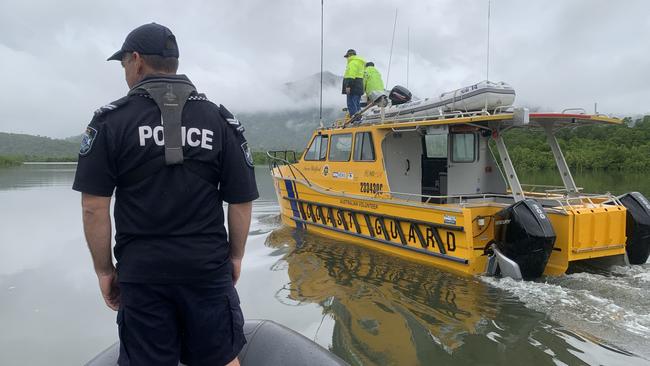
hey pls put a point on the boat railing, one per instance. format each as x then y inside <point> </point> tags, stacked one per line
<point>462,198</point>
<point>398,119</point>
<point>579,110</point>
<point>451,114</point>
<point>546,189</point>
<point>591,200</point>
<point>503,109</point>
<point>286,158</point>
<point>557,202</point>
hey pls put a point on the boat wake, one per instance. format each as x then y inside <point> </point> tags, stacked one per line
<point>611,307</point>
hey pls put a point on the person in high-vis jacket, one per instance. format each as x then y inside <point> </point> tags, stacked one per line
<point>372,82</point>
<point>353,81</point>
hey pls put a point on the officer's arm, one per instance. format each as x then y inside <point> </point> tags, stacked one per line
<point>97,228</point>
<point>239,221</point>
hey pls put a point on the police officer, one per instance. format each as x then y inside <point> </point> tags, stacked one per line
<point>172,157</point>
<point>353,81</point>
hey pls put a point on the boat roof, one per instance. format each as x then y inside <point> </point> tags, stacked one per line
<point>535,120</point>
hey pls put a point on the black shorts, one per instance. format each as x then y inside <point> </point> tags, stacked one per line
<point>160,324</point>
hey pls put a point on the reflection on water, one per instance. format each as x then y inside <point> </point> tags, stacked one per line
<point>37,175</point>
<point>367,307</point>
<point>388,311</point>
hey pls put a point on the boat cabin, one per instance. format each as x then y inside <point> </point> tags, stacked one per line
<point>439,161</point>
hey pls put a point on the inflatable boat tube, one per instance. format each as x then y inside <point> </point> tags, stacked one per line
<point>268,344</point>
<point>470,98</point>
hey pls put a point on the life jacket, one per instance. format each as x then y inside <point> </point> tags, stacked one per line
<point>354,68</point>
<point>372,80</point>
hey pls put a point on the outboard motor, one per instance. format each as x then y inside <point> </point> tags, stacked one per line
<point>399,95</point>
<point>637,227</point>
<point>525,236</point>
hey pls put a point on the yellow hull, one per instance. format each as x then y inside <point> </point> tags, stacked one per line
<point>451,237</point>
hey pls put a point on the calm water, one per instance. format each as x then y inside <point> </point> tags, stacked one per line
<point>369,308</point>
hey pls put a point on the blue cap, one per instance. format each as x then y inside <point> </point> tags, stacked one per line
<point>149,39</point>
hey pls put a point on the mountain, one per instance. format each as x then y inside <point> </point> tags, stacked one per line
<point>284,130</point>
<point>309,87</point>
<point>264,131</point>
<point>30,147</point>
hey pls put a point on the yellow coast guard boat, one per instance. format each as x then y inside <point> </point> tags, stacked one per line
<point>430,189</point>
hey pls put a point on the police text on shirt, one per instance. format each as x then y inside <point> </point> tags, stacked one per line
<point>195,137</point>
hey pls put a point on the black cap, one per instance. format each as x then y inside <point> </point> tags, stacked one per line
<point>149,39</point>
<point>370,64</point>
<point>350,53</point>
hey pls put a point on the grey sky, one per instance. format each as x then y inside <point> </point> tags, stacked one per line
<point>556,54</point>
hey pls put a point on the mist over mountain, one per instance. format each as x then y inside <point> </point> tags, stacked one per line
<point>290,127</point>
<point>309,87</point>
<point>284,130</point>
<point>287,128</point>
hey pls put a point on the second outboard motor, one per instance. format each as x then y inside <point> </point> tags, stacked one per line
<point>399,95</point>
<point>637,227</point>
<point>524,234</point>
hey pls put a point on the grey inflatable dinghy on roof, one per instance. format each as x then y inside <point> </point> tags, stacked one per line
<point>268,344</point>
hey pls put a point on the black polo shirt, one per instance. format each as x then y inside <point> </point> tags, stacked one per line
<point>169,225</point>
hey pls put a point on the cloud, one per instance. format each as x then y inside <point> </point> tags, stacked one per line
<point>240,53</point>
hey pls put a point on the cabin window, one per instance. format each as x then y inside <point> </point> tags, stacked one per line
<point>323,147</point>
<point>318,148</point>
<point>436,146</point>
<point>341,147</point>
<point>363,147</point>
<point>463,147</point>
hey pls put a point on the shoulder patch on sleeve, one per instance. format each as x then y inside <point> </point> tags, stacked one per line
<point>248,155</point>
<point>111,106</point>
<point>233,122</point>
<point>87,140</point>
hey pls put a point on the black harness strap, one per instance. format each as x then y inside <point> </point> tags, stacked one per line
<point>170,95</point>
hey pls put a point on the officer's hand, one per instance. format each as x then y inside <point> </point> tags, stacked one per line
<point>236,270</point>
<point>110,289</point>
<point>348,90</point>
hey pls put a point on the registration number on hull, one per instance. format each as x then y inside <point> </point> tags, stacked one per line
<point>374,188</point>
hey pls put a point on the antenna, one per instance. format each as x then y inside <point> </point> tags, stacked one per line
<point>392,42</point>
<point>487,61</point>
<point>408,54</point>
<point>320,108</point>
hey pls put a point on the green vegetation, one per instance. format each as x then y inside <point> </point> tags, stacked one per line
<point>13,160</point>
<point>604,147</point>
<point>611,147</point>
<point>284,129</point>
<point>18,148</point>
<point>29,148</point>
<point>10,161</point>
<point>261,158</point>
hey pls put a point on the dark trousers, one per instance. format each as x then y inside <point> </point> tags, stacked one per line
<point>160,324</point>
<point>354,103</point>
